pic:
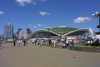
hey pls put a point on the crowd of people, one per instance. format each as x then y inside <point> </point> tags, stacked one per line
<point>55,42</point>
<point>38,42</point>
<point>19,42</point>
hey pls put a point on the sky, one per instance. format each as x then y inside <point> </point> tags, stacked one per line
<point>41,14</point>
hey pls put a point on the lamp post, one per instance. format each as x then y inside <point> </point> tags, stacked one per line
<point>97,14</point>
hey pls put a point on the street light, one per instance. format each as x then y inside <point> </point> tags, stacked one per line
<point>97,14</point>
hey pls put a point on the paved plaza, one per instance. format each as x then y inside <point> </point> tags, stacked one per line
<point>35,56</point>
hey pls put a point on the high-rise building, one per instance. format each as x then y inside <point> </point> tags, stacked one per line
<point>8,31</point>
<point>24,34</point>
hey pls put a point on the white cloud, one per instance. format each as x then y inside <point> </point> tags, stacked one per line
<point>40,25</point>
<point>32,26</point>
<point>24,2</point>
<point>82,19</point>
<point>1,12</point>
<point>43,0</point>
<point>36,26</point>
<point>44,13</point>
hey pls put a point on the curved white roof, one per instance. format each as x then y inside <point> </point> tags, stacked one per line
<point>46,31</point>
<point>91,32</point>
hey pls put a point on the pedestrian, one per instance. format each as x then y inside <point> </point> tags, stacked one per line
<point>14,42</point>
<point>35,42</point>
<point>54,43</point>
<point>67,43</point>
<point>41,42</point>
<point>24,42</point>
<point>50,42</point>
<point>19,42</point>
<point>72,43</point>
<point>0,43</point>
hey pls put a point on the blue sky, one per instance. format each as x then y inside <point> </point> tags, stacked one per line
<point>39,14</point>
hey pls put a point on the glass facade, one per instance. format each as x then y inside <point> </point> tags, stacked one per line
<point>82,33</point>
<point>8,31</point>
<point>43,34</point>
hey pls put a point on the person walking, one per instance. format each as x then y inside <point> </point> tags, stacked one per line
<point>54,43</point>
<point>41,42</point>
<point>0,43</point>
<point>19,42</point>
<point>35,42</point>
<point>14,42</point>
<point>72,43</point>
<point>24,42</point>
<point>50,42</point>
